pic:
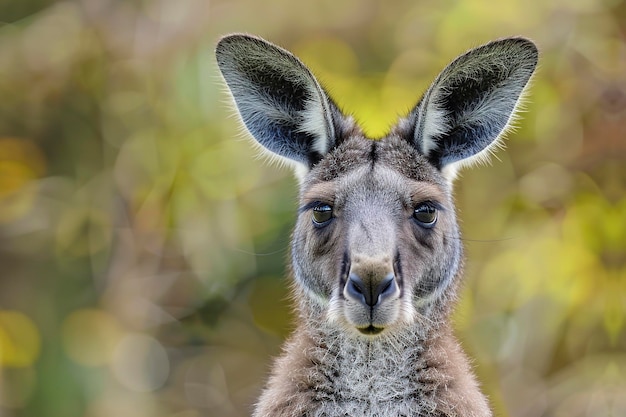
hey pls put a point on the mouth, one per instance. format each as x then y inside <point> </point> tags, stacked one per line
<point>370,330</point>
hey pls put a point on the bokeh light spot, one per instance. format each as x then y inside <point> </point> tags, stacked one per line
<point>140,363</point>
<point>90,336</point>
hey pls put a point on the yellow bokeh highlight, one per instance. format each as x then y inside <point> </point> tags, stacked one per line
<point>336,65</point>
<point>21,162</point>
<point>19,340</point>
<point>521,274</point>
<point>89,337</point>
<point>316,51</point>
<point>595,223</point>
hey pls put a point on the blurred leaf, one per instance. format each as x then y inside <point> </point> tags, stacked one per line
<point>19,340</point>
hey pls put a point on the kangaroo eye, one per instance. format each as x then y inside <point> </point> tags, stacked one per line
<point>322,213</point>
<point>426,215</point>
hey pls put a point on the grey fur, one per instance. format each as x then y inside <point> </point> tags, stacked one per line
<point>397,357</point>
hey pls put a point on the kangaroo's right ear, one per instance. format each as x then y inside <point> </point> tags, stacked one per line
<point>471,103</point>
<point>280,102</point>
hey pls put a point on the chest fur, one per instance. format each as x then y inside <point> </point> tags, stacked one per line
<point>370,378</point>
<point>366,378</point>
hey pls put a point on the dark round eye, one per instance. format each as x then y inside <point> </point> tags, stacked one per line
<point>425,214</point>
<point>322,213</point>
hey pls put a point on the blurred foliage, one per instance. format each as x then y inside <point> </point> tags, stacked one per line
<point>142,244</point>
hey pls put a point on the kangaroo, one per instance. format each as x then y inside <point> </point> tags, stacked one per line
<point>376,253</point>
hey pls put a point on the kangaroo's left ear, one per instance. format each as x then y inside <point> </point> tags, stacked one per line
<point>280,102</point>
<point>470,104</point>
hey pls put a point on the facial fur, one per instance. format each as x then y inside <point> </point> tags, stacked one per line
<point>373,187</point>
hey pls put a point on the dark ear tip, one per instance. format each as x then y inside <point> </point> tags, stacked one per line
<point>232,47</point>
<point>521,40</point>
<point>526,46</point>
<point>223,44</point>
<point>237,38</point>
<point>226,42</point>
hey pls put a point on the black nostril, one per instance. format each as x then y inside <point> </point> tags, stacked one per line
<point>387,287</point>
<point>359,291</point>
<point>355,289</point>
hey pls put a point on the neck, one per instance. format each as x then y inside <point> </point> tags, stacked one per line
<point>327,370</point>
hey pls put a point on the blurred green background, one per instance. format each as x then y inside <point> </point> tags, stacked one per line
<point>143,243</point>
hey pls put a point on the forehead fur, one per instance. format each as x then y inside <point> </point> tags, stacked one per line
<point>392,151</point>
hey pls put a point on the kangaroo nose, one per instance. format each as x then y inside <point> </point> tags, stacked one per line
<point>372,294</point>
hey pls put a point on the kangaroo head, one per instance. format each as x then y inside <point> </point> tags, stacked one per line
<point>376,245</point>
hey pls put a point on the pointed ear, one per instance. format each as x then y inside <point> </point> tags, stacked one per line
<point>280,102</point>
<point>470,104</point>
